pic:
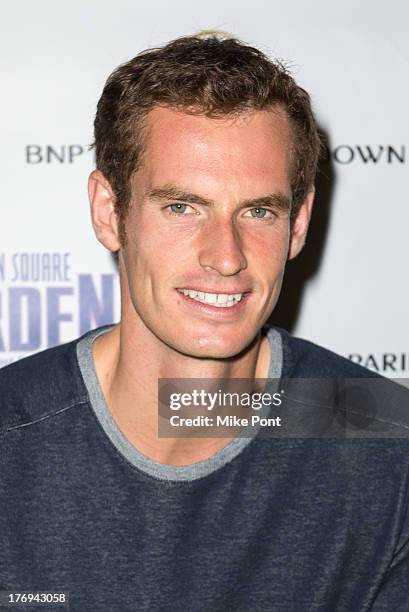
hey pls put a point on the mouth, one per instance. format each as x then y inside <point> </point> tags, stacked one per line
<point>217,300</point>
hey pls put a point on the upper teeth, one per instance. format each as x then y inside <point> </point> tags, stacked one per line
<point>221,300</point>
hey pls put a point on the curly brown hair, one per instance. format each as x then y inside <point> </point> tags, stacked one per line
<point>210,75</point>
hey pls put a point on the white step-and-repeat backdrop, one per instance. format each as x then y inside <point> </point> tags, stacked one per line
<point>347,291</point>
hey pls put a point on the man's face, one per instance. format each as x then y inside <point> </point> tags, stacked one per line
<point>208,230</point>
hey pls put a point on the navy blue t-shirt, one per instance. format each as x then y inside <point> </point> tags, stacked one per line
<point>314,522</point>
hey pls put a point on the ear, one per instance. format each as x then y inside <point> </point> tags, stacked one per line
<point>300,226</point>
<point>102,202</point>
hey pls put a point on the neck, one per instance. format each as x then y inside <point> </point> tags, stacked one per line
<point>129,363</point>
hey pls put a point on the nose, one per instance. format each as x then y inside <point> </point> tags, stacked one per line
<point>221,248</point>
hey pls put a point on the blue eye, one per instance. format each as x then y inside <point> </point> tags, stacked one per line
<point>260,213</point>
<point>178,208</point>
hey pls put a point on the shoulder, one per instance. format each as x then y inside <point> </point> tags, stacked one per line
<point>362,396</point>
<point>39,385</point>
<point>309,360</point>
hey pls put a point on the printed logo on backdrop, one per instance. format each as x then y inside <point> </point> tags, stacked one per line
<point>388,364</point>
<point>44,302</point>
<point>55,154</point>
<point>368,154</point>
<point>343,154</point>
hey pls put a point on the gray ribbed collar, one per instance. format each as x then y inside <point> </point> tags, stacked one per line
<point>139,460</point>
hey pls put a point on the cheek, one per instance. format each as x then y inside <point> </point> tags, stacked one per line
<point>269,251</point>
<point>155,237</point>
<point>151,263</point>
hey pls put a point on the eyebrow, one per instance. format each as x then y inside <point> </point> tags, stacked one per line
<point>169,192</point>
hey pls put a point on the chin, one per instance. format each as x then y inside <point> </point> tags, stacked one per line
<point>212,348</point>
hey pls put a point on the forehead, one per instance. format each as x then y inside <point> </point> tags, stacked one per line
<point>195,150</point>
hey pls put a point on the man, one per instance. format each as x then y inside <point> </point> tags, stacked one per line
<point>206,157</point>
